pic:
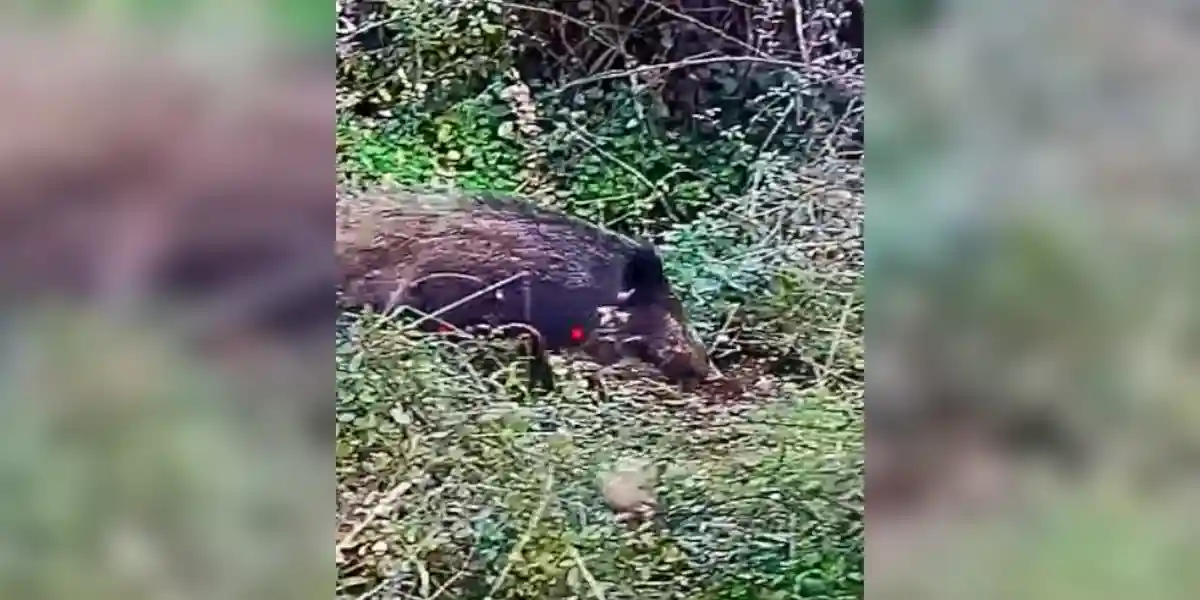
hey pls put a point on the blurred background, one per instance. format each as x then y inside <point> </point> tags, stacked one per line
<point>165,277</point>
<point>1033,426</point>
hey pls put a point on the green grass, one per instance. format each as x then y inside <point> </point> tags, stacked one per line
<point>758,498</point>
<point>456,483</point>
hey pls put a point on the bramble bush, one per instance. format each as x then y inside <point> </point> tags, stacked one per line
<point>735,146</point>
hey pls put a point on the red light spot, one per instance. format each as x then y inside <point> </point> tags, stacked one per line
<point>444,328</point>
<point>577,334</point>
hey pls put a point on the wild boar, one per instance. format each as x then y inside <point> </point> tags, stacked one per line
<point>479,259</point>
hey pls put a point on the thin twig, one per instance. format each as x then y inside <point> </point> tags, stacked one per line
<point>561,15</point>
<point>593,585</point>
<point>837,340</point>
<point>801,38</point>
<point>491,288</point>
<point>687,62</point>
<point>384,505</point>
<point>705,26</point>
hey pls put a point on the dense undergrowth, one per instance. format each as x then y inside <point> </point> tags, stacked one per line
<point>457,483</point>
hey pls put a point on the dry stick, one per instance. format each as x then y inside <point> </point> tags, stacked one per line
<point>528,300</point>
<point>757,179</point>
<point>465,299</point>
<point>851,107</point>
<point>619,45</point>
<point>395,297</point>
<point>384,582</point>
<point>391,579</point>
<point>457,575</point>
<point>705,26</point>
<point>393,307</point>
<point>801,38</point>
<point>420,313</point>
<point>837,341</point>
<point>436,314</point>
<point>611,45</point>
<point>687,62</point>
<point>555,13</point>
<point>725,327</point>
<point>386,504</point>
<point>581,134</point>
<point>585,573</point>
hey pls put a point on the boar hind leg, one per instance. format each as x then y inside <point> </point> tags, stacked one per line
<point>532,348</point>
<point>541,375</point>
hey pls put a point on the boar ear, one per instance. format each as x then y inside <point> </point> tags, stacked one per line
<point>642,277</point>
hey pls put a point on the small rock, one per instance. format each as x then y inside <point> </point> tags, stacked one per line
<point>628,489</point>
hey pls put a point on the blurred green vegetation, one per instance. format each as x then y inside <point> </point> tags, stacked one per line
<point>304,20</point>
<point>132,471</point>
<point>1016,284</point>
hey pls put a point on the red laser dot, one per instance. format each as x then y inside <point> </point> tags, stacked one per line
<point>577,334</point>
<point>444,328</point>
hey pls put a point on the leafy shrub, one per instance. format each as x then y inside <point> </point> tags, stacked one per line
<point>394,55</point>
<point>733,60</point>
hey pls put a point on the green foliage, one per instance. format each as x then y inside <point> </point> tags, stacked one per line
<point>459,146</point>
<point>493,492</point>
<point>617,168</point>
<point>416,53</point>
<point>606,167</point>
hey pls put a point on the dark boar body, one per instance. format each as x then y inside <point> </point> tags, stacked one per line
<point>483,260</point>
